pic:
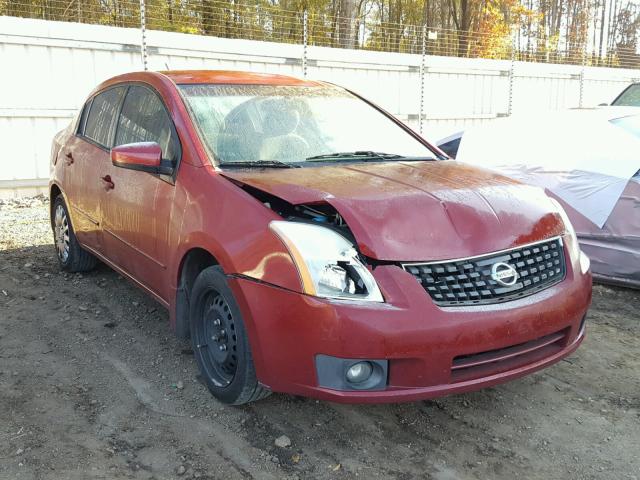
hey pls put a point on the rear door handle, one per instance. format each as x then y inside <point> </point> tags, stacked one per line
<point>109,185</point>
<point>69,159</point>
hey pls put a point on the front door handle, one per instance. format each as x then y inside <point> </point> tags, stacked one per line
<point>69,159</point>
<point>108,184</point>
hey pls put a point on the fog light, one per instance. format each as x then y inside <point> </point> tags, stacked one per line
<point>359,372</point>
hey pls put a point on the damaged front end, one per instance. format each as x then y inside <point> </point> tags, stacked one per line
<point>322,248</point>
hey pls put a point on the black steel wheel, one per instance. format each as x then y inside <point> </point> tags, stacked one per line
<point>219,341</point>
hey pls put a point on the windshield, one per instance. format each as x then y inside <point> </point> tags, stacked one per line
<point>630,97</point>
<point>266,125</point>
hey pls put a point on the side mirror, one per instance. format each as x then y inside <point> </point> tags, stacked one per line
<point>143,156</point>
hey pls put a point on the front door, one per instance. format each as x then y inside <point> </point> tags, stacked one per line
<point>137,206</point>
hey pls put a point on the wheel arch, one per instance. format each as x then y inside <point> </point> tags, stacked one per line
<point>194,261</point>
<point>54,192</point>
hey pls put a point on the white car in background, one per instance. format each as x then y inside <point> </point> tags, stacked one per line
<point>588,159</point>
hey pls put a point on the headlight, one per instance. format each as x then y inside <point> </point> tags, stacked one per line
<point>574,248</point>
<point>585,263</point>
<point>327,262</point>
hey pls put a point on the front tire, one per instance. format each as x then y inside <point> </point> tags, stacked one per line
<point>71,256</point>
<point>219,341</point>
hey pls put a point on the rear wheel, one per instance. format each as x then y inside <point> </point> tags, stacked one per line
<point>72,257</point>
<point>220,342</point>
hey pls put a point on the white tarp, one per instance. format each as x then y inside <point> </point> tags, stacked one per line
<point>579,155</point>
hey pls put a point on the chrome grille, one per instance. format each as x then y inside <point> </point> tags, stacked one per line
<point>470,281</point>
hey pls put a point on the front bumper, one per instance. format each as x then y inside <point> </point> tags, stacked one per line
<point>424,344</point>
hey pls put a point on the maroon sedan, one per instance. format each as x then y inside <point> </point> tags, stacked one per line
<point>309,243</point>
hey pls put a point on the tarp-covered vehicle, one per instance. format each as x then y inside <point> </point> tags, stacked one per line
<point>589,159</point>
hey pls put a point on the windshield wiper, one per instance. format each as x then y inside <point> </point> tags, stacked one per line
<point>260,164</point>
<point>359,154</point>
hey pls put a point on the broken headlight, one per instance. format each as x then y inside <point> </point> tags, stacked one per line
<point>574,247</point>
<point>327,262</point>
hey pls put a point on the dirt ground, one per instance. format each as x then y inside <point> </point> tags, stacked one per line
<point>94,385</point>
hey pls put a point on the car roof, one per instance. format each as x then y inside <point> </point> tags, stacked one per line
<point>603,113</point>
<point>219,77</point>
<point>227,77</point>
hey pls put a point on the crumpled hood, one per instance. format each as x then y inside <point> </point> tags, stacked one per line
<point>418,211</point>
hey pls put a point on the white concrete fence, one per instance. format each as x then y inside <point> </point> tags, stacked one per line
<point>48,68</point>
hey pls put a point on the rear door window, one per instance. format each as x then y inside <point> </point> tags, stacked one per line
<point>100,121</point>
<point>144,118</point>
<point>83,118</point>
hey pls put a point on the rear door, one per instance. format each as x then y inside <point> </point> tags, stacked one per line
<point>85,155</point>
<point>136,211</point>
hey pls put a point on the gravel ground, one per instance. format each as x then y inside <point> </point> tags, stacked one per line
<point>94,385</point>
